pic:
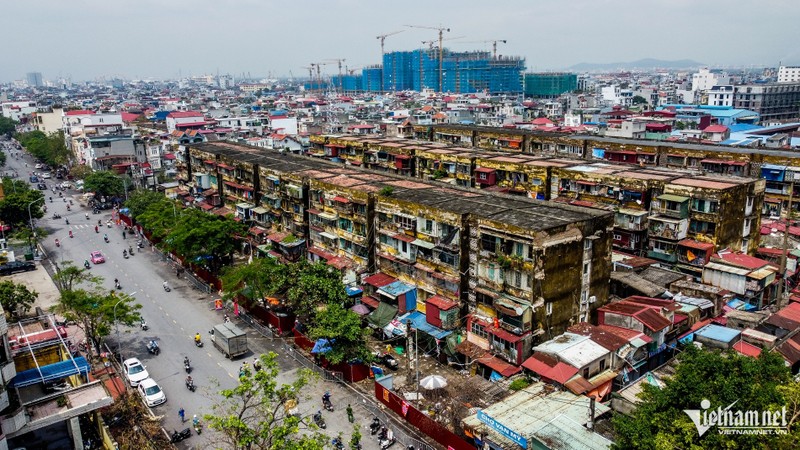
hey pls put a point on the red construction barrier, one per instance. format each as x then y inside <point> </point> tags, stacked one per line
<point>420,420</point>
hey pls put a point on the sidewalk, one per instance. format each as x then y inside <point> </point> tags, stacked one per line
<point>39,280</point>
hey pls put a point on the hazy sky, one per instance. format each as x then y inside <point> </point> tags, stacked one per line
<point>85,39</point>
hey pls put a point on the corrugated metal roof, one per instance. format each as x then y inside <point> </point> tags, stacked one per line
<point>718,333</point>
<point>727,268</point>
<point>673,198</point>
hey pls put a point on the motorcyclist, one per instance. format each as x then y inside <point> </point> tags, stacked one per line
<point>185,360</point>
<point>87,216</point>
<point>86,263</point>
<point>196,337</point>
<point>105,237</point>
<point>189,380</point>
<point>67,221</point>
<point>152,344</point>
<point>96,230</point>
<point>124,253</point>
<point>166,285</point>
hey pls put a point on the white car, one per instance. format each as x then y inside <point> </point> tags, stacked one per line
<point>151,392</point>
<point>46,175</point>
<point>135,371</point>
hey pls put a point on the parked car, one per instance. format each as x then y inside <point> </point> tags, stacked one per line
<point>46,175</point>
<point>151,392</point>
<point>16,266</point>
<point>135,371</point>
<point>97,257</point>
<point>42,186</point>
<point>34,179</point>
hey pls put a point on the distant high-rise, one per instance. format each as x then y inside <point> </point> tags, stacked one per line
<point>462,72</point>
<point>34,79</point>
<point>549,85</point>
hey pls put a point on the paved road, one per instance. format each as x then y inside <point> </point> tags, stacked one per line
<point>173,319</point>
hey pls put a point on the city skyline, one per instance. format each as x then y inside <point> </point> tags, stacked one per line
<point>147,39</point>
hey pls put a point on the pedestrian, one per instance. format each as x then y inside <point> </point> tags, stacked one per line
<point>182,413</point>
<point>350,413</point>
<point>123,235</point>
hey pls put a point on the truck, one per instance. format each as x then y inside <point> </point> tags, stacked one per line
<point>229,339</point>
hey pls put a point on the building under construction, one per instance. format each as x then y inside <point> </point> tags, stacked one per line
<point>461,72</point>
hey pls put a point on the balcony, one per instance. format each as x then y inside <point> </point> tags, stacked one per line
<point>630,220</point>
<point>667,228</point>
<point>9,371</point>
<point>673,206</point>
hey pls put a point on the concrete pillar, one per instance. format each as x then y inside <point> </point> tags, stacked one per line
<point>74,430</point>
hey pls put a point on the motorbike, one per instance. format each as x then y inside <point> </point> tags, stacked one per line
<point>152,348</point>
<point>319,420</point>
<point>96,230</point>
<point>67,220</point>
<point>70,233</point>
<point>56,216</point>
<point>143,325</point>
<point>56,386</point>
<point>337,443</point>
<point>198,428</point>
<point>198,344</point>
<point>130,250</point>
<point>178,436</point>
<point>105,238</point>
<point>117,285</point>
<point>326,402</point>
<point>58,243</point>
<point>386,443</point>
<point>86,264</point>
<point>68,208</point>
<point>108,223</point>
<point>125,254</point>
<point>374,426</point>
<point>186,365</point>
<point>87,214</point>
<point>166,287</point>
<point>190,385</point>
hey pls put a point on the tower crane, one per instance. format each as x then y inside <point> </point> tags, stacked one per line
<point>339,62</point>
<point>384,36</point>
<point>430,43</point>
<point>441,31</point>
<point>494,44</point>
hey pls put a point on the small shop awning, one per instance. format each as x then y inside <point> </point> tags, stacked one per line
<point>498,365</point>
<point>423,244</point>
<point>372,302</point>
<point>260,210</point>
<point>327,235</point>
<point>673,198</point>
<point>484,170</point>
<point>340,199</point>
<point>403,237</point>
<point>327,216</point>
<point>51,372</point>
<point>383,314</point>
<point>245,205</point>
<point>379,280</point>
<point>395,289</point>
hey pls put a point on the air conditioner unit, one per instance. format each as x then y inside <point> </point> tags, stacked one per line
<point>592,299</point>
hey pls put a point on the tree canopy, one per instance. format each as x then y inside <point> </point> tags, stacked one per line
<point>638,100</point>
<point>104,183</point>
<point>49,148</point>
<point>14,205</point>
<point>344,331</point>
<point>205,238</point>
<point>159,218</point>
<point>16,298</point>
<point>259,279</point>
<point>659,421</point>
<point>80,171</point>
<point>7,126</point>
<point>139,201</point>
<point>256,414</point>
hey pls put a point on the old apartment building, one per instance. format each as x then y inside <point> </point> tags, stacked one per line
<point>514,269</point>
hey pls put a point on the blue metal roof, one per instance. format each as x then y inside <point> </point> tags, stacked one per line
<point>743,127</point>
<point>718,333</point>
<point>397,288</point>
<point>419,322</point>
<point>51,372</point>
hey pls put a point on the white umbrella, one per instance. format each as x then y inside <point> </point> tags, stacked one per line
<point>433,382</point>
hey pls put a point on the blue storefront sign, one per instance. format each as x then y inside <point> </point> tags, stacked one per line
<point>502,429</point>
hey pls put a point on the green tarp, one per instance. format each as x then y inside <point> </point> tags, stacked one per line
<point>382,315</point>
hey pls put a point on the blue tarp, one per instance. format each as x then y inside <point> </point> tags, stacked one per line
<point>51,372</point>
<point>419,322</point>
<point>397,289</point>
<point>353,291</point>
<point>321,346</point>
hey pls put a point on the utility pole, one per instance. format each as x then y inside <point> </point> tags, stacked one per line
<point>409,350</point>
<point>785,247</point>
<point>590,424</point>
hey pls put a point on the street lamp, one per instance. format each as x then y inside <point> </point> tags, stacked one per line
<point>119,343</point>
<point>30,219</point>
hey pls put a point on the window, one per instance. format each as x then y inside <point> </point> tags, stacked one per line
<point>548,308</point>
<point>405,222</point>
<point>448,258</point>
<point>587,244</point>
<point>478,330</point>
<point>602,365</point>
<point>586,267</point>
<point>489,243</point>
<point>516,279</point>
<point>698,226</point>
<point>404,246</point>
<point>705,206</point>
<point>427,226</point>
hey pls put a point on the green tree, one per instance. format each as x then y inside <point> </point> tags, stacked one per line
<point>659,422</point>
<point>344,331</point>
<point>93,311</point>
<point>80,172</point>
<point>638,100</point>
<point>139,201</point>
<point>48,148</point>
<point>104,183</point>
<point>256,414</point>
<point>16,298</point>
<point>201,236</point>
<point>14,205</point>
<point>261,278</point>
<point>7,126</point>
<point>69,276</point>
<point>309,286</point>
<point>2,159</point>
<point>159,218</point>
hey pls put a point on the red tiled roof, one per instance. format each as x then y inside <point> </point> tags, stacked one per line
<point>339,262</point>
<point>129,117</point>
<point>742,260</point>
<point>190,124</point>
<point>205,206</point>
<point>646,315</point>
<point>695,244</point>
<point>442,303</point>
<point>542,121</point>
<point>787,318</point>
<point>169,156</point>
<point>320,252</point>
<point>550,368</point>
<point>379,280</point>
<point>747,349</point>
<point>340,199</point>
<point>608,340</point>
<point>257,231</point>
<point>277,237</point>
<point>625,333</point>
<point>79,112</point>
<point>484,170</point>
<point>504,335</point>
<point>370,301</point>
<point>498,365</point>
<point>715,129</point>
<point>790,350</point>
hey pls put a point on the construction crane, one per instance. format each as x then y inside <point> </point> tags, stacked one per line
<point>351,71</point>
<point>494,44</point>
<point>384,36</point>
<point>441,31</point>
<point>430,43</point>
<point>339,62</point>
